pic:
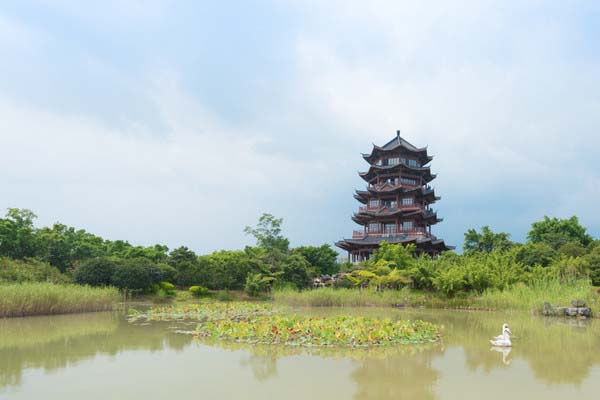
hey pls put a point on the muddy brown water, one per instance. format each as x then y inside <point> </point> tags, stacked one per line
<point>102,356</point>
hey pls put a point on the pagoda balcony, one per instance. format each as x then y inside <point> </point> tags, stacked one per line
<point>379,186</point>
<point>391,207</point>
<point>390,232</point>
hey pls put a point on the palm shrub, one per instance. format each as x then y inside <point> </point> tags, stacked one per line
<point>257,284</point>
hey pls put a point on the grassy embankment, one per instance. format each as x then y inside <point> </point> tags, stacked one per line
<point>518,297</point>
<point>44,298</point>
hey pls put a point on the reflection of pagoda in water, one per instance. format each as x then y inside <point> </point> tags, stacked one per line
<point>396,202</point>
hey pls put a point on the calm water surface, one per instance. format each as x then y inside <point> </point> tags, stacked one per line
<point>101,356</point>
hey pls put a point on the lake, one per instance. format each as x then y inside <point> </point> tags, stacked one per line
<point>102,356</point>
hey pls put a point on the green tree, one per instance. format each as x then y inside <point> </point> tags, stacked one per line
<point>322,258</point>
<point>556,232</point>
<point>532,254</point>
<point>190,270</point>
<point>268,233</point>
<point>95,272</point>
<point>298,271</point>
<point>593,260</point>
<point>486,241</point>
<point>136,274</point>
<point>18,235</point>
<point>398,255</point>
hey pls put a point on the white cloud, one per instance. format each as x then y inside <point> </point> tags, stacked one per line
<point>202,180</point>
<point>502,93</point>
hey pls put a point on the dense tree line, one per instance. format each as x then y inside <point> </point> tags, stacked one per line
<point>90,259</point>
<point>556,249</point>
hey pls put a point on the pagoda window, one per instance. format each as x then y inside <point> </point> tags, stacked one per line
<point>392,180</point>
<point>390,204</point>
<point>413,163</point>
<point>374,203</point>
<point>389,228</point>
<point>408,181</point>
<point>373,227</point>
<point>403,160</point>
<point>407,225</point>
<point>393,161</point>
<point>407,201</point>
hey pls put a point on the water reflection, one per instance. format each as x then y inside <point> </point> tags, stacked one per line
<point>55,342</point>
<point>555,352</point>
<point>505,351</point>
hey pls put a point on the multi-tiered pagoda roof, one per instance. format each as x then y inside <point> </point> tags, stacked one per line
<point>396,201</point>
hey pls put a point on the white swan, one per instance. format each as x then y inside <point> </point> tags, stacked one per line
<point>504,339</point>
<point>505,331</point>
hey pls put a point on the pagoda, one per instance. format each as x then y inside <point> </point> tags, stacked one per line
<point>396,202</point>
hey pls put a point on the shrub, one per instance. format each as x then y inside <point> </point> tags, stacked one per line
<point>257,284</point>
<point>594,264</point>
<point>168,288</point>
<point>95,272</point>
<point>29,270</point>
<point>198,291</point>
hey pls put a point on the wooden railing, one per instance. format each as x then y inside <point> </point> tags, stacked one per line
<point>389,232</point>
<point>394,207</point>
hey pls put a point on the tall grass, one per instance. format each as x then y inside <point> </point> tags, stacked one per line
<point>517,297</point>
<point>532,297</point>
<point>44,298</point>
<point>330,297</point>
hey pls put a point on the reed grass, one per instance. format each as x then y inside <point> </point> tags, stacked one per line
<point>518,297</point>
<point>532,297</point>
<point>330,297</point>
<point>44,298</point>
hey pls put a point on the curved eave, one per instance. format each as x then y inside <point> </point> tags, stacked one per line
<point>373,167</point>
<point>364,217</point>
<point>422,243</point>
<point>375,170</point>
<point>382,150</point>
<point>389,189</point>
<point>361,198</point>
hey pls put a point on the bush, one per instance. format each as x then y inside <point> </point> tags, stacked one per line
<point>198,291</point>
<point>136,274</point>
<point>95,272</point>
<point>168,288</point>
<point>257,284</point>
<point>29,270</point>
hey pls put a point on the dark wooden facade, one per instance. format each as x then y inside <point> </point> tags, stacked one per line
<point>396,204</point>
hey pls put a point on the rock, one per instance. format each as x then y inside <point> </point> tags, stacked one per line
<point>560,311</point>
<point>578,303</point>
<point>571,311</point>
<point>584,312</point>
<point>548,310</point>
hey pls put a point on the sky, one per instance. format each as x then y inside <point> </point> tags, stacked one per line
<point>181,122</point>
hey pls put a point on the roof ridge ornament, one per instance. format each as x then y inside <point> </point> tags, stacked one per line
<point>398,136</point>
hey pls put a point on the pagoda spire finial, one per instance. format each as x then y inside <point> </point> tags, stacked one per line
<point>398,135</point>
